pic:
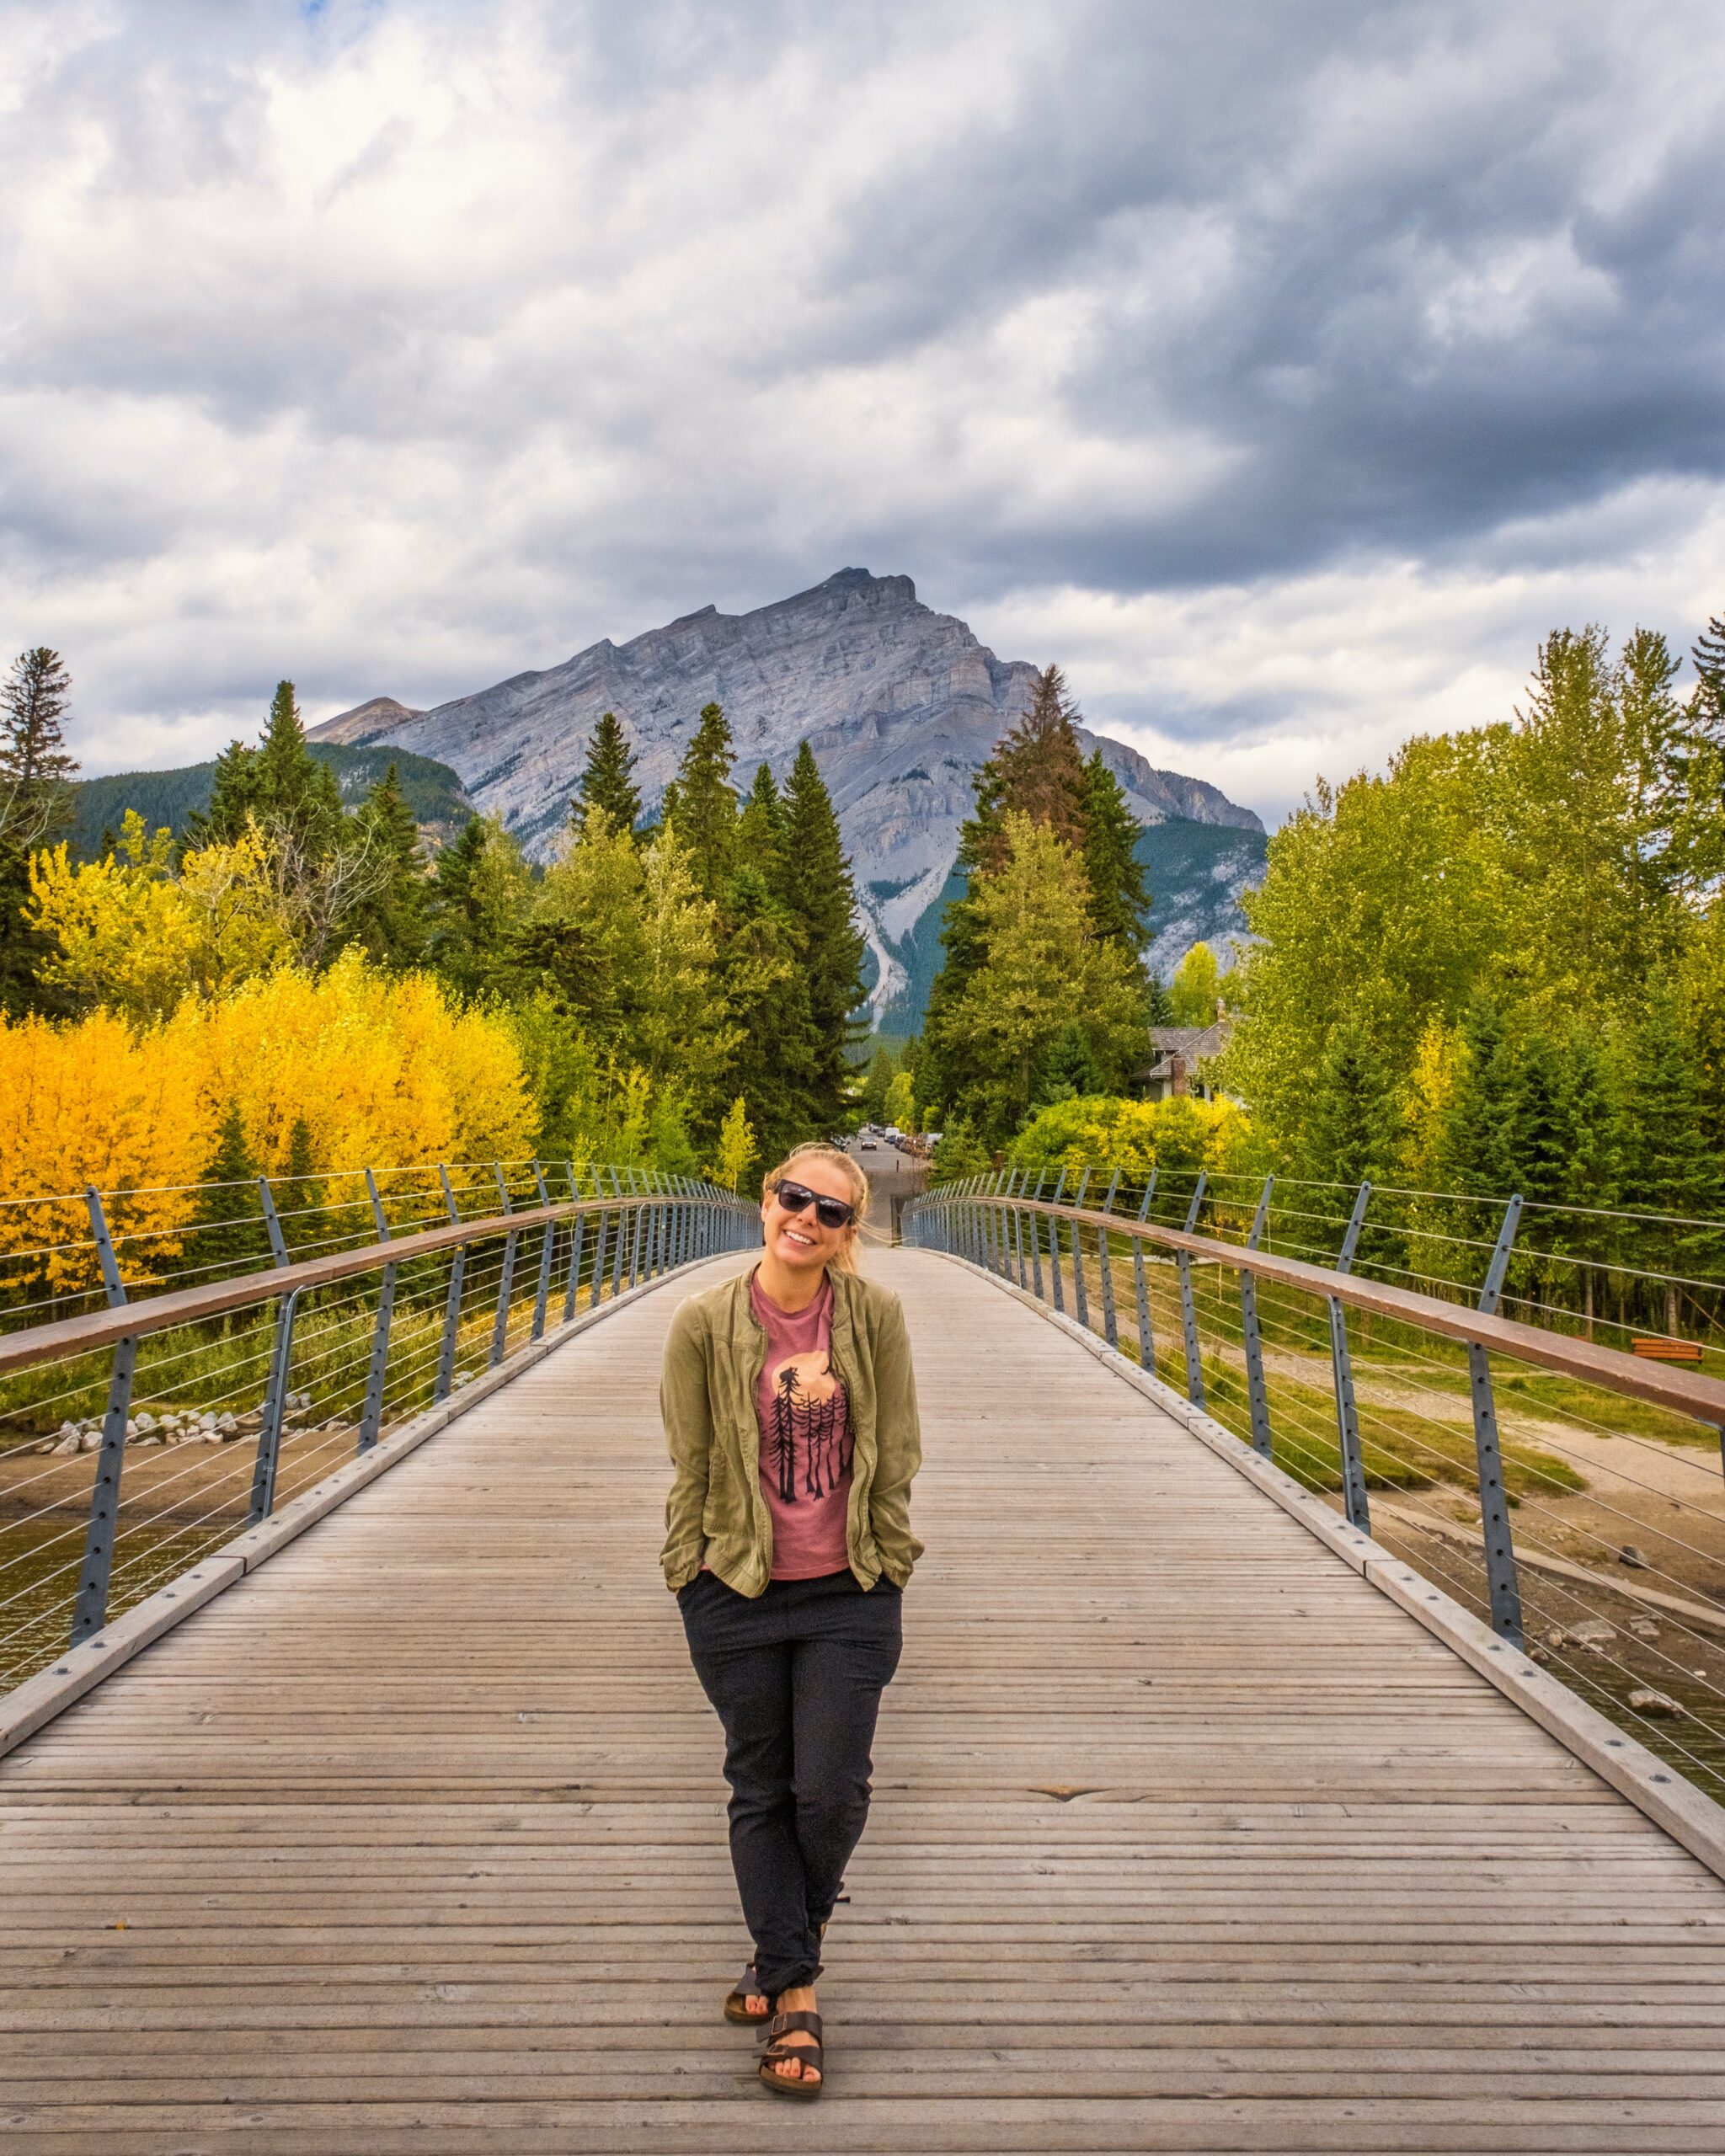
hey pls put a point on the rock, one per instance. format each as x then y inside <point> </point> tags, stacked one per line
<point>206,1423</point>
<point>228,1425</point>
<point>903,702</point>
<point>149,1437</point>
<point>464,1377</point>
<point>1646,1702</point>
<point>1556,1639</point>
<point>144,1425</point>
<point>74,1443</point>
<point>1595,1634</point>
<point>1538,1654</point>
<point>131,1431</point>
<point>1630,1556</point>
<point>1644,1628</point>
<point>91,1441</point>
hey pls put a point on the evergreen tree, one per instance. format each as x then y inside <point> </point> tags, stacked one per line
<point>234,800</point>
<point>763,975</point>
<point>1119,899</point>
<point>34,762</point>
<point>1478,1144</point>
<point>960,1153</point>
<point>1159,1004</point>
<point>476,907</point>
<point>701,803</point>
<point>606,783</point>
<point>299,1191</point>
<point>1668,1165</point>
<point>1069,1070</point>
<point>761,828</point>
<point>391,924</point>
<point>1038,769</point>
<point>820,896</point>
<point>875,1086</point>
<point>1351,1135</point>
<point>228,1235</point>
<point>35,800</point>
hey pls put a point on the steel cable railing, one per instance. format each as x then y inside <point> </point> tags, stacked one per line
<point>198,1393</point>
<point>1568,1493</point>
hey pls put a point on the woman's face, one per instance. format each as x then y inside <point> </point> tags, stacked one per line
<point>798,1240</point>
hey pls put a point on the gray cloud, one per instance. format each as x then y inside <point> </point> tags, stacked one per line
<point>399,345</point>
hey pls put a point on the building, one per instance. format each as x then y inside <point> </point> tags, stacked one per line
<point>1179,1055</point>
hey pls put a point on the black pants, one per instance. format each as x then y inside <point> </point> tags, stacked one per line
<point>796,1675</point>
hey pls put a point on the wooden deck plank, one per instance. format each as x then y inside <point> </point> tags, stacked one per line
<point>415,1840</point>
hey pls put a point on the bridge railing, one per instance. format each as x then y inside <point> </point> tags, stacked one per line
<point>139,1431</point>
<point>1569,1492</point>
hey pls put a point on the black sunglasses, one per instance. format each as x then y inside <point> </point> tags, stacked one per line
<point>798,1198</point>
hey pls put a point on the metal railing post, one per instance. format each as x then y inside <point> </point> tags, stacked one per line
<point>1054,1249</point>
<point>452,1301</point>
<point>377,1370</point>
<point>618,1241</point>
<point>1081,1296</point>
<point>595,1285</point>
<point>1035,1225</point>
<point>1353,1495</point>
<point>1501,1581</point>
<point>1255,1390</point>
<point>90,1610</point>
<point>572,1285</point>
<point>278,1241</point>
<point>547,1250</point>
<point>1140,1285</point>
<point>1188,1307</point>
<point>269,1454</point>
<point>506,1283</point>
<point>1110,1327</point>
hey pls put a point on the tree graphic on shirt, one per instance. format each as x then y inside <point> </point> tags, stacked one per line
<point>811,1424</point>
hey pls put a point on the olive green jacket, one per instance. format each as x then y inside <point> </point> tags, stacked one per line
<point>715,1514</point>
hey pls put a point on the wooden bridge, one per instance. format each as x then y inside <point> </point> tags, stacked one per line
<point>1186,1837</point>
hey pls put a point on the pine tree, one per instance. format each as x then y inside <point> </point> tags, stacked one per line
<point>296,792</point>
<point>1158,1002</point>
<point>1038,767</point>
<point>875,1086</point>
<point>1119,899</point>
<point>701,803</point>
<point>1351,1135</point>
<point>299,1191</point>
<point>228,1234</point>
<point>820,895</point>
<point>1069,1070</point>
<point>606,783</point>
<point>391,925</point>
<point>1669,1167</point>
<point>761,828</point>
<point>35,763</point>
<point>34,769</point>
<point>1478,1143</point>
<point>476,905</point>
<point>234,800</point>
<point>764,980</point>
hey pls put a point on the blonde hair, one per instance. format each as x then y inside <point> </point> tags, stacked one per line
<point>845,1257</point>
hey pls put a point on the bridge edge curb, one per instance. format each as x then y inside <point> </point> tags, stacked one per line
<point>30,1706</point>
<point>1672,1801</point>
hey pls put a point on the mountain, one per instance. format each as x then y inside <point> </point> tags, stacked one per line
<point>899,704</point>
<point>431,791</point>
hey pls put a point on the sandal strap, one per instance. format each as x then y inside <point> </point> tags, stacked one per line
<point>804,2054</point>
<point>781,2023</point>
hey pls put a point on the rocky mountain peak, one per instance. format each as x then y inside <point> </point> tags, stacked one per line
<point>899,703</point>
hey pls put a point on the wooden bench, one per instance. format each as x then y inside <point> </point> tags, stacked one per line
<point>1668,1350</point>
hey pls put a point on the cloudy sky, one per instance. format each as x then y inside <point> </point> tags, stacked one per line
<point>1285,371</point>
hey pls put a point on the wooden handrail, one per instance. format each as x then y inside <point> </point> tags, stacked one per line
<point>1661,1385</point>
<point>77,1336</point>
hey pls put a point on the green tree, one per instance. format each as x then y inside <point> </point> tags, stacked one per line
<point>961,1152</point>
<point>761,828</point>
<point>1353,1127</point>
<point>607,780</point>
<point>736,1151</point>
<point>900,1113</point>
<point>1119,897</point>
<point>1069,1069</point>
<point>1479,1142</point>
<point>820,894</point>
<point>1195,993</point>
<point>702,803</point>
<point>1043,968</point>
<point>390,923</point>
<point>882,1070</point>
<point>475,909</point>
<point>763,983</point>
<point>1037,771</point>
<point>35,769</point>
<point>228,1235</point>
<point>1159,1005</point>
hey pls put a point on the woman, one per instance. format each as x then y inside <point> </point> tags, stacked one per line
<point>791,1410</point>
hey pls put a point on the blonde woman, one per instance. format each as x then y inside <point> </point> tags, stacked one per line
<point>791,1410</point>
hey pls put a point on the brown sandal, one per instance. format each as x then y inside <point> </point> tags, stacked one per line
<point>748,1985</point>
<point>778,2053</point>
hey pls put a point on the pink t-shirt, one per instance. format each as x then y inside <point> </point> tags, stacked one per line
<point>806,1438</point>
